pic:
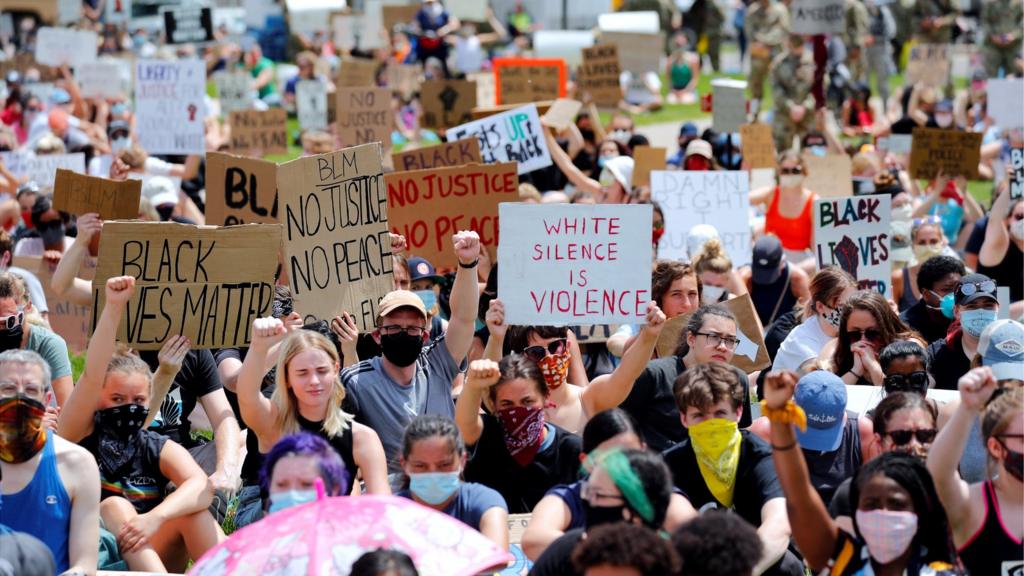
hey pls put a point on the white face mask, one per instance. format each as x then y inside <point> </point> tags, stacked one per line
<point>790,180</point>
<point>436,9</point>
<point>118,144</point>
<point>711,294</point>
<point>1017,229</point>
<point>903,213</point>
<point>944,120</point>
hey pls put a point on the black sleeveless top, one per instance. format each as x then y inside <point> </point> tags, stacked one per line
<point>254,459</point>
<point>991,550</point>
<point>829,469</point>
<point>766,298</point>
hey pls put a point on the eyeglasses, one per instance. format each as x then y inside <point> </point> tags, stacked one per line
<point>903,437</point>
<point>913,382</point>
<point>591,493</point>
<point>716,339</point>
<point>537,353</point>
<point>870,334</point>
<point>972,288</point>
<point>918,222</point>
<point>13,320</point>
<point>392,329</point>
<point>793,170</point>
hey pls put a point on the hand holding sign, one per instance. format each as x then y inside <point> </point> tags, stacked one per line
<point>482,375</point>
<point>88,225</point>
<point>120,289</point>
<point>467,246</point>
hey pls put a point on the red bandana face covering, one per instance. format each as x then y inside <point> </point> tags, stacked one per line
<point>555,368</point>
<point>21,428</point>
<point>522,428</point>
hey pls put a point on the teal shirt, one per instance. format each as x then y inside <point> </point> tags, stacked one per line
<point>263,64</point>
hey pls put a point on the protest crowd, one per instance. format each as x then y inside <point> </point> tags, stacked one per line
<point>760,307</point>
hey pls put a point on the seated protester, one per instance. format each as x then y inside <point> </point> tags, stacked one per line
<point>956,210</point>
<point>51,487</point>
<point>898,518</point>
<point>905,365</point>
<point>775,285</point>
<point>632,486</point>
<point>789,208</point>
<point>675,288</point>
<point>687,132</point>
<point>974,307</point>
<point>624,548</point>
<point>512,449</point>
<point>36,294</point>
<point>987,543</point>
<point>433,457</point>
<point>710,336</point>
<point>717,542</point>
<point>937,277</point>
<point>614,183</point>
<point>49,225</point>
<point>714,268</point>
<point>105,414</point>
<point>16,333</point>
<point>928,241</point>
<point>830,288</point>
<point>381,562</point>
<point>1002,252</point>
<point>719,466</point>
<point>65,282</point>
<point>414,376</point>
<point>836,441</point>
<point>563,507</point>
<point>572,404</point>
<point>426,283</point>
<point>295,465</point>
<point>866,327</point>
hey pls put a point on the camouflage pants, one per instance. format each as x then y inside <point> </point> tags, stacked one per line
<point>759,70</point>
<point>1005,58</point>
<point>783,128</point>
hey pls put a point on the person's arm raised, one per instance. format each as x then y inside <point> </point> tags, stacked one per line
<point>609,390</point>
<point>575,176</point>
<point>256,410</point>
<point>465,296</point>
<point>495,320</point>
<point>171,355</point>
<point>482,374</point>
<point>65,281</point>
<point>997,239</point>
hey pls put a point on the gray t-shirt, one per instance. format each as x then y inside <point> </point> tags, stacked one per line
<point>388,407</point>
<point>35,288</point>
<point>52,348</point>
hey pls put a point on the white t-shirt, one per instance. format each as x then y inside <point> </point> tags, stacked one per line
<point>803,343</point>
<point>469,55</point>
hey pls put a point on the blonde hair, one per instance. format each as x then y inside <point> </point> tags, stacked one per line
<point>336,420</point>
<point>996,417</point>
<point>126,362</point>
<point>712,258</point>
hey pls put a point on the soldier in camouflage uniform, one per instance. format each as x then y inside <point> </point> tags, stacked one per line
<point>1001,23</point>
<point>933,21</point>
<point>792,79</point>
<point>766,27</point>
<point>854,38</point>
<point>713,20</point>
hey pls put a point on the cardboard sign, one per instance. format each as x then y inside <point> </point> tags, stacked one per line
<point>810,17</point>
<point>70,320</point>
<point>594,333</point>
<point>853,233</point>
<point>895,143</point>
<point>1005,97</point>
<point>311,104</point>
<point>337,244</point>
<point>23,62</point>
<point>598,77</point>
<point>647,159</point>
<point>240,190</point>
<point>758,146</point>
<point>259,131</point>
<point>520,564</point>
<point>42,170</point>
<point>66,46</point>
<point>202,282</point>
<point>112,200</point>
<point>486,90</point>
<point>428,206</point>
<point>750,355</point>
<point>103,79</point>
<point>446,155</point>
<point>395,15</point>
<point>522,80</point>
<point>186,25</point>
<point>447,103</point>
<point>562,113</point>
<point>638,53</point>
<point>364,116</point>
<point>371,26</point>
<point>928,63</point>
<point>829,176</point>
<point>233,91</point>
<point>563,44</point>
<point>404,78</point>
<point>470,10</point>
<point>729,106</point>
<point>345,26</point>
<point>952,151</point>
<point>169,106</point>
<point>357,72</point>
<point>564,264</point>
<point>1017,180</point>
<point>510,136</point>
<point>721,199</point>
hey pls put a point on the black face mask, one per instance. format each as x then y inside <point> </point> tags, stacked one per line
<point>587,134</point>
<point>10,338</point>
<point>598,515</point>
<point>1014,463</point>
<point>118,429</point>
<point>401,349</point>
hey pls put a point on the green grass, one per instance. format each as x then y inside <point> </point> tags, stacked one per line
<point>77,365</point>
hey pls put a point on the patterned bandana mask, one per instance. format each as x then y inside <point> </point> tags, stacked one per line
<point>118,429</point>
<point>555,368</point>
<point>522,429</point>
<point>716,442</point>
<point>22,434</point>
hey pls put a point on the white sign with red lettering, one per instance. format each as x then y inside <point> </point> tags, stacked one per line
<point>572,264</point>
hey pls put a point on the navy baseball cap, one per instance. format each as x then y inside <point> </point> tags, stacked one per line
<point>822,395</point>
<point>420,268</point>
<point>767,255</point>
<point>972,287</point>
<point>689,130</point>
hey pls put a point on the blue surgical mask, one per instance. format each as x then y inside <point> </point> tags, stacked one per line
<point>946,305</point>
<point>428,297</point>
<point>434,487</point>
<point>281,500</point>
<point>601,161</point>
<point>975,321</point>
<point>118,144</point>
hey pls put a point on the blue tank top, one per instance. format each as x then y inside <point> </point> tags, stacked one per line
<point>42,508</point>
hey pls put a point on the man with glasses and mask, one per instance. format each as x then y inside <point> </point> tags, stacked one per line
<point>51,487</point>
<point>16,333</point>
<point>937,278</point>
<point>974,306</point>
<point>414,376</point>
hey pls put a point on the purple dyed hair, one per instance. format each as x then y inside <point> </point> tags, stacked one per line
<point>332,469</point>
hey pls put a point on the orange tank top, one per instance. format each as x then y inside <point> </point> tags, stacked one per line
<point>794,233</point>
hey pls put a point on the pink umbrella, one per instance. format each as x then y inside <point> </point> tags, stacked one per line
<point>325,537</point>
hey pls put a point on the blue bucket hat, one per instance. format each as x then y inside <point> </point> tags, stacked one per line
<point>822,395</point>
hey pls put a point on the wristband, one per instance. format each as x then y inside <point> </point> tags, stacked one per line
<point>791,413</point>
<point>784,448</point>
<point>470,265</point>
<point>850,371</point>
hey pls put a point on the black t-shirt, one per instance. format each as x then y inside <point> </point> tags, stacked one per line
<point>1009,272</point>
<point>931,327</point>
<point>140,480</point>
<point>947,361</point>
<point>652,404</point>
<point>220,356</point>
<point>490,464</point>
<point>557,557</point>
<point>197,378</point>
<point>977,237</point>
<point>840,503</point>
<point>756,482</point>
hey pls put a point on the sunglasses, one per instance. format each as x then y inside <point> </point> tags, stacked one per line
<point>913,382</point>
<point>13,320</point>
<point>972,288</point>
<point>537,353</point>
<point>869,334</point>
<point>790,171</point>
<point>903,437</point>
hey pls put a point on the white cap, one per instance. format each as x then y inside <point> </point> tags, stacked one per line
<point>698,235</point>
<point>160,190</point>
<point>621,168</point>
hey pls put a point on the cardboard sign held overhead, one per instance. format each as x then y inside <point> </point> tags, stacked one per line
<point>446,155</point>
<point>829,176</point>
<point>598,77</point>
<point>103,79</point>
<point>263,131</point>
<point>928,63</point>
<point>854,234</point>
<point>185,25</point>
<point>233,91</point>
<point>170,106</point>
<point>523,80</point>
<point>66,46</point>
<point>428,206</point>
<point>729,105</point>
<point>357,72</point>
<point>1017,180</point>
<point>811,17</point>
<point>112,200</point>
<point>510,136</point>
<point>311,104</point>
<point>758,146</point>
<point>337,244</point>
<point>364,116</point>
<point>447,103</point>
<point>205,283</point>
<point>563,264</point>
<point>953,152</point>
<point>647,159</point>
<point>72,321</point>
<point>750,355</point>
<point>42,170</point>
<point>638,53</point>
<point>562,113</point>
<point>240,190</point>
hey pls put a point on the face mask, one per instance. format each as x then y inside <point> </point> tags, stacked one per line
<point>888,534</point>
<point>118,144</point>
<point>944,120</point>
<point>620,135</point>
<point>587,134</point>
<point>281,500</point>
<point>21,428</point>
<point>834,316</point>
<point>601,161</point>
<point>124,420</point>
<point>598,515</point>
<point>696,163</point>
<point>902,213</point>
<point>434,487</point>
<point>522,429</point>
<point>656,234</point>
<point>555,368</point>
<point>819,151</point>
<point>26,219</point>
<point>10,338</point>
<point>1014,464</point>
<point>401,349</point>
<point>925,251</point>
<point>1017,229</point>
<point>711,293</point>
<point>428,297</point>
<point>975,321</point>
<point>946,305</point>
<point>716,443</point>
<point>791,180</point>
<point>118,428</point>
<point>436,10</point>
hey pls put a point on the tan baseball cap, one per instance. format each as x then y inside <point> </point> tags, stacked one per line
<point>400,299</point>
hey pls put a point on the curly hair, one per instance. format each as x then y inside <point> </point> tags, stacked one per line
<point>665,273</point>
<point>717,542</point>
<point>626,546</point>
<point>888,323</point>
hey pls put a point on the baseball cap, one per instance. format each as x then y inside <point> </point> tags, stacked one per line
<point>420,268</point>
<point>822,395</point>
<point>944,106</point>
<point>901,248</point>
<point>699,147</point>
<point>621,168</point>
<point>160,190</point>
<point>972,287</point>
<point>400,299</point>
<point>689,130</point>
<point>59,96</point>
<point>1001,346</point>
<point>764,266</point>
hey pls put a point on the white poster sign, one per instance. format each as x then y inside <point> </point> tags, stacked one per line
<point>646,22</point>
<point>41,169</point>
<point>311,104</point>
<point>728,104</point>
<point>469,10</point>
<point>854,233</point>
<point>371,26</point>
<point>1006,101</point>
<point>169,106</point>
<point>811,17</point>
<point>564,44</point>
<point>104,79</point>
<point>65,46</point>
<point>512,136</point>
<point>233,91</point>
